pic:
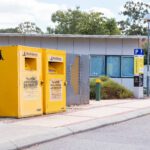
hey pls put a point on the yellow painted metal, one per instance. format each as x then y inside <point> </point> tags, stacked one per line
<point>138,65</point>
<point>54,71</point>
<point>20,85</point>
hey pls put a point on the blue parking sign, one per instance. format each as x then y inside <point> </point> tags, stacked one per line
<point>138,51</point>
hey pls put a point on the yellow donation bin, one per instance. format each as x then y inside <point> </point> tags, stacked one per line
<point>20,81</point>
<point>54,71</point>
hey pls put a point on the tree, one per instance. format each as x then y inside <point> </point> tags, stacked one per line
<point>9,30</point>
<point>28,27</point>
<point>134,22</point>
<point>145,47</point>
<point>111,27</point>
<point>50,30</point>
<point>79,22</point>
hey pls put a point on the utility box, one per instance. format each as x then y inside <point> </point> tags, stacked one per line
<point>20,81</point>
<point>54,71</point>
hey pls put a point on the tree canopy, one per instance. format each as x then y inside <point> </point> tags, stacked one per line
<point>134,22</point>
<point>75,21</point>
<point>25,27</point>
<point>9,30</point>
<point>28,27</point>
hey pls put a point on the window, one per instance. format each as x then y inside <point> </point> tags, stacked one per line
<point>113,66</point>
<point>97,65</point>
<point>127,66</point>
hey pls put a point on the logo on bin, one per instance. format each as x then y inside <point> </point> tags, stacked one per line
<point>31,54</point>
<point>55,59</point>
<point>1,56</point>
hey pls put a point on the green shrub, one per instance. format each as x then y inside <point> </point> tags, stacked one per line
<point>113,90</point>
<point>104,78</point>
<point>110,89</point>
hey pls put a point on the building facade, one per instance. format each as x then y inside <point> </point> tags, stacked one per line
<point>109,55</point>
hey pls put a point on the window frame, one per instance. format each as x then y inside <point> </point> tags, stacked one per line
<point>105,69</point>
<point>119,65</point>
<point>131,56</point>
<point>92,76</point>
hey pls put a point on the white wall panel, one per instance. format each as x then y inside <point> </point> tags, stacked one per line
<point>16,40</point>
<point>118,80</point>
<point>114,47</point>
<point>65,44</point>
<point>4,40</point>
<point>81,46</point>
<point>49,43</point>
<point>129,46</point>
<point>32,41</point>
<point>98,46</point>
<point>128,83</point>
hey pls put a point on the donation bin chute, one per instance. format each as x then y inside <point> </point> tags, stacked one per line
<point>20,85</point>
<point>54,63</point>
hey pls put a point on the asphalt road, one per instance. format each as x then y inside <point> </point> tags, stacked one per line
<point>130,135</point>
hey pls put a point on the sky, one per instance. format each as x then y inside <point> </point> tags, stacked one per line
<point>13,12</point>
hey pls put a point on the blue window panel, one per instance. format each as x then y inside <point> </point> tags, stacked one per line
<point>97,65</point>
<point>113,66</point>
<point>127,66</point>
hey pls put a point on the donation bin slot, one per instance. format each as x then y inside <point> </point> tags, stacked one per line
<point>55,67</point>
<point>30,64</point>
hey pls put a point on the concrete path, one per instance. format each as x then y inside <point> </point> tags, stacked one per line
<point>20,133</point>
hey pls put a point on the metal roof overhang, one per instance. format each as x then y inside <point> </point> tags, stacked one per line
<point>73,36</point>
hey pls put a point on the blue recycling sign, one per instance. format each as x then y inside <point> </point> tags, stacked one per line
<point>138,51</point>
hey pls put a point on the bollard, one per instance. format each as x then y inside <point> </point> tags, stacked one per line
<point>98,89</point>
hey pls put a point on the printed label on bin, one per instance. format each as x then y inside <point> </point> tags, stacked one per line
<point>30,86</point>
<point>55,59</point>
<point>55,90</point>
<point>29,54</point>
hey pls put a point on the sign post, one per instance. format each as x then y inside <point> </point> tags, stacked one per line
<point>138,72</point>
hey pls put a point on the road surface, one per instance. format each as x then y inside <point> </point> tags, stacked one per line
<point>129,135</point>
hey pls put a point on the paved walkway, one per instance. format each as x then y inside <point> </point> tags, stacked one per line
<point>19,133</point>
